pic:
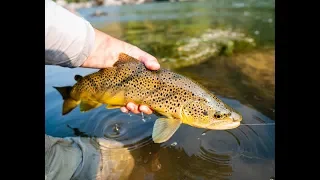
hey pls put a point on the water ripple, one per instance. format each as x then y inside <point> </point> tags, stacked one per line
<point>129,130</point>
<point>225,153</point>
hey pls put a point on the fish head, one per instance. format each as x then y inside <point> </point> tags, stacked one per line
<point>211,116</point>
<point>223,120</point>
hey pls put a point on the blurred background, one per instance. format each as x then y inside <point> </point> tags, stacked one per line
<point>226,45</point>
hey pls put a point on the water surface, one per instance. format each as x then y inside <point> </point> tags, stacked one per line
<point>242,75</point>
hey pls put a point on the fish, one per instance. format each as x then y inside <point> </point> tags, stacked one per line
<point>174,98</point>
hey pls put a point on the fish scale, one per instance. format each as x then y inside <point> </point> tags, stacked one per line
<point>171,95</point>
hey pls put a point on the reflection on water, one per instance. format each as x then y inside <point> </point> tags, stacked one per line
<point>247,77</point>
<point>244,79</point>
<point>218,154</point>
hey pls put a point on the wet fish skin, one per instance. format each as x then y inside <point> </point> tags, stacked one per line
<point>177,98</point>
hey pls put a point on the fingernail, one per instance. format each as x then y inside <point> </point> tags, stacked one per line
<point>148,111</point>
<point>131,106</point>
<point>156,66</point>
<point>145,109</point>
<point>124,110</point>
<point>153,66</point>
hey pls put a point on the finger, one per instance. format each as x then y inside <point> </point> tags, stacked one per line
<point>147,59</point>
<point>145,109</point>
<point>150,62</point>
<point>133,107</point>
<point>124,110</point>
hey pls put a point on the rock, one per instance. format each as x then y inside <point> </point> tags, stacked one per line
<point>213,42</point>
<point>122,2</point>
<point>99,13</point>
<point>99,2</point>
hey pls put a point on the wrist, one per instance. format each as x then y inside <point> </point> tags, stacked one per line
<point>100,55</point>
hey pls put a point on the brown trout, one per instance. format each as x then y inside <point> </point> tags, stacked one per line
<point>175,98</point>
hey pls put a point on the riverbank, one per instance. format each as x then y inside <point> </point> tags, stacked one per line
<point>73,5</point>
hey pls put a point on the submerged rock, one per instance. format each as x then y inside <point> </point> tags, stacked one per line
<point>213,42</point>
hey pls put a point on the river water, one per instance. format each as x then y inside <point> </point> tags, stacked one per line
<point>194,39</point>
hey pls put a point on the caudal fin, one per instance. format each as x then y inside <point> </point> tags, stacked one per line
<point>68,103</point>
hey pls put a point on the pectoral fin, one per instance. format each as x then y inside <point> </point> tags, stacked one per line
<point>109,106</point>
<point>164,128</point>
<point>88,105</point>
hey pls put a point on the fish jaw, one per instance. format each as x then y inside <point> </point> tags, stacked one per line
<point>225,126</point>
<point>231,122</point>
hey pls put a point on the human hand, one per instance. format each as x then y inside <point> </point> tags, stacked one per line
<point>105,53</point>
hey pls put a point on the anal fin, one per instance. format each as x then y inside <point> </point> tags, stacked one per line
<point>164,128</point>
<point>109,106</point>
<point>88,105</point>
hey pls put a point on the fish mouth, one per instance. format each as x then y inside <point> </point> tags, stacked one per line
<point>236,117</point>
<point>225,126</point>
<point>231,122</point>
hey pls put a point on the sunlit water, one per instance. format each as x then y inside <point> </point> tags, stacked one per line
<point>245,81</point>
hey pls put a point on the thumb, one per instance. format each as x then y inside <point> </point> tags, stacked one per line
<point>149,60</point>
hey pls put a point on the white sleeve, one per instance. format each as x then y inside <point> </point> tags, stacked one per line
<point>69,39</point>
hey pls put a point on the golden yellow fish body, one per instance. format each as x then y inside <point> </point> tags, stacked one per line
<point>177,98</point>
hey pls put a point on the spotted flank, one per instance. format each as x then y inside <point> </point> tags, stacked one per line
<point>175,98</point>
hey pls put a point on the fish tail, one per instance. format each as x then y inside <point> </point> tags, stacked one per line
<point>68,103</point>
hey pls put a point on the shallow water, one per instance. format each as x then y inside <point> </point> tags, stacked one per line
<point>244,80</point>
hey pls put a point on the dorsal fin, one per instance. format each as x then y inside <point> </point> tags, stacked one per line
<point>125,58</point>
<point>77,77</point>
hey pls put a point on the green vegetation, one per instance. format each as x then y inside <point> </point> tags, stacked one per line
<point>178,44</point>
<point>76,1</point>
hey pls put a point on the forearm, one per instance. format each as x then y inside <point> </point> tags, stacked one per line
<point>69,39</point>
<point>106,50</point>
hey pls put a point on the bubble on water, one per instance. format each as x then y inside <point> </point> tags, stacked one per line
<point>203,134</point>
<point>115,130</point>
<point>256,32</point>
<point>174,144</point>
<point>270,20</point>
<point>246,13</point>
